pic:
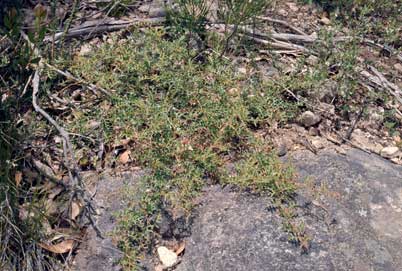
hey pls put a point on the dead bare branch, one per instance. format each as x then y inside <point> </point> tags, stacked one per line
<point>379,80</point>
<point>279,44</point>
<point>90,86</point>
<point>94,28</point>
<point>284,23</point>
<point>77,188</point>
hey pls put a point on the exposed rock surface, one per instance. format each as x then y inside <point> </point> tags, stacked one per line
<point>96,254</point>
<point>358,225</point>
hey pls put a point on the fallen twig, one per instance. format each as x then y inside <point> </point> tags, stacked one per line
<point>379,80</point>
<point>90,86</point>
<point>352,128</point>
<point>68,23</point>
<point>279,44</point>
<point>76,186</point>
<point>284,23</point>
<point>303,38</point>
<point>91,29</point>
<point>267,39</point>
<point>336,142</point>
<point>26,86</point>
<point>77,189</point>
<point>384,80</point>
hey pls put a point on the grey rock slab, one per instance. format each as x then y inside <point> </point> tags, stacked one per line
<point>358,226</point>
<point>95,253</point>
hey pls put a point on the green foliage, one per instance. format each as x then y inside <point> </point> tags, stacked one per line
<point>185,119</point>
<point>117,8</point>
<point>237,12</point>
<point>192,16</point>
<point>379,19</point>
<point>7,7</point>
<point>19,235</point>
<point>261,172</point>
<point>384,7</point>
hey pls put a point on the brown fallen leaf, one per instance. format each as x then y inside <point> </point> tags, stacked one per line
<point>125,157</point>
<point>55,191</point>
<point>45,170</point>
<point>18,178</point>
<point>60,248</point>
<point>181,248</point>
<point>75,209</point>
<point>52,207</point>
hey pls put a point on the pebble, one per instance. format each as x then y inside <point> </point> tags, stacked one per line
<point>313,131</point>
<point>325,21</point>
<point>389,152</point>
<point>282,150</point>
<point>157,12</point>
<point>85,50</point>
<point>242,70</point>
<point>93,124</point>
<point>398,67</point>
<point>312,60</point>
<point>308,119</point>
<point>166,256</point>
<point>144,8</point>
<point>283,12</point>
<point>318,144</point>
<point>292,7</point>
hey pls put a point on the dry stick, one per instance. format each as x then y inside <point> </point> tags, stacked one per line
<point>306,39</point>
<point>352,128</point>
<point>90,86</point>
<point>384,80</point>
<point>228,39</point>
<point>345,140</point>
<point>381,81</point>
<point>74,174</point>
<point>68,24</point>
<point>108,27</point>
<point>279,44</point>
<point>26,86</point>
<point>271,20</point>
<point>261,38</point>
<point>107,14</point>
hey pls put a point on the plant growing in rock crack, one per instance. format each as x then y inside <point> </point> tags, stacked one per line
<point>185,128</point>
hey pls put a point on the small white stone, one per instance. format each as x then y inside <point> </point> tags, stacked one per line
<point>318,143</point>
<point>312,60</point>
<point>282,12</point>
<point>166,256</point>
<point>93,124</point>
<point>325,20</point>
<point>389,152</point>
<point>85,50</point>
<point>292,6</point>
<point>398,67</point>
<point>242,70</point>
